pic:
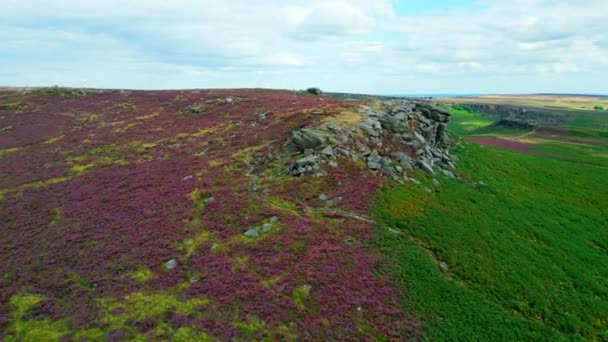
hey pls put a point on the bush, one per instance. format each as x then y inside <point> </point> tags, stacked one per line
<point>314,91</point>
<point>598,108</point>
<point>60,91</point>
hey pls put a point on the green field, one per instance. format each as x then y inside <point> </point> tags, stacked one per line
<point>521,256</point>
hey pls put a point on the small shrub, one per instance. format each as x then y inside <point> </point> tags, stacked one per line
<point>61,91</point>
<point>314,91</point>
<point>598,108</point>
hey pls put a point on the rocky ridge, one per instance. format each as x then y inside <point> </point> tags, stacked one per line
<point>390,137</point>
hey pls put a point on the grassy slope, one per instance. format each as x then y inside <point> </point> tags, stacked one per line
<point>520,259</point>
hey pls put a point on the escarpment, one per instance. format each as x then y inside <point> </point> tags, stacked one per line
<point>390,137</point>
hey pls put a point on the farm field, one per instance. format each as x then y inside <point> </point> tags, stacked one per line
<point>548,101</point>
<point>514,251</point>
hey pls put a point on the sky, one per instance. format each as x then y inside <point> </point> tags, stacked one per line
<point>363,46</point>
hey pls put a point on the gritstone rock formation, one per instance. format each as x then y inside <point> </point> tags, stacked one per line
<point>392,137</point>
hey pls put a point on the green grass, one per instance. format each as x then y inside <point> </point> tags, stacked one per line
<point>467,121</point>
<point>523,258</point>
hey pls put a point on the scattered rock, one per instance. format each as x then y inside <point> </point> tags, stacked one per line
<point>328,151</point>
<point>273,219</point>
<point>266,227</point>
<point>252,233</point>
<point>323,197</point>
<point>344,152</point>
<point>426,167</point>
<point>334,201</point>
<point>371,127</point>
<point>171,264</point>
<point>373,161</point>
<point>448,174</point>
<point>307,138</point>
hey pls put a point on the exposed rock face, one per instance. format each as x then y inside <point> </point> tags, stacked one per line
<point>534,116</point>
<point>394,136</point>
<point>515,123</point>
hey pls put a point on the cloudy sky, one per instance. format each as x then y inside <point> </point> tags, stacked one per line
<point>370,46</point>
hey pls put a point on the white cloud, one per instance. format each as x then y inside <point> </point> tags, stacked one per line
<point>349,45</point>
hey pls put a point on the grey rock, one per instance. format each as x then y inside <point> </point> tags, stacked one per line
<point>333,163</point>
<point>373,161</point>
<point>328,151</point>
<point>426,167</point>
<point>373,165</point>
<point>252,233</point>
<point>386,164</point>
<point>392,124</point>
<point>171,264</point>
<point>400,116</point>
<point>433,112</point>
<point>343,152</point>
<point>262,116</point>
<point>323,197</point>
<point>307,161</point>
<point>403,158</point>
<point>415,181</point>
<point>266,227</point>
<point>448,174</point>
<point>273,219</point>
<point>371,127</point>
<point>334,201</point>
<point>419,138</point>
<point>307,138</point>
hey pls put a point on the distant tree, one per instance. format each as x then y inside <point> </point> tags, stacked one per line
<point>314,91</point>
<point>598,108</point>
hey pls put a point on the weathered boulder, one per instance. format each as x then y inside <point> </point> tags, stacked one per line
<point>307,138</point>
<point>371,127</point>
<point>373,161</point>
<point>392,123</point>
<point>433,112</point>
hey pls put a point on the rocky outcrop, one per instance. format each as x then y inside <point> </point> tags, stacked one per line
<point>515,123</point>
<point>532,115</point>
<point>392,137</point>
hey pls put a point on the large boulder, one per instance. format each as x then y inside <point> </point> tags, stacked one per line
<point>307,138</point>
<point>433,112</point>
<point>371,127</point>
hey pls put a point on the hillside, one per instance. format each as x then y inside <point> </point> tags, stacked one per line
<point>278,215</point>
<point>219,214</point>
